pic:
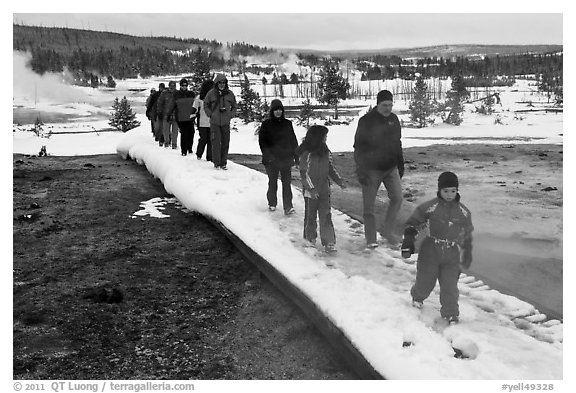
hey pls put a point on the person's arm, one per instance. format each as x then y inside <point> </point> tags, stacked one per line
<point>208,102</point>
<point>305,177</point>
<point>233,105</point>
<point>294,144</point>
<point>416,220</point>
<point>361,171</point>
<point>264,144</point>
<point>333,173</point>
<point>466,257</point>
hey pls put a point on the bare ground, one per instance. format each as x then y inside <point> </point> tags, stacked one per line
<point>100,295</point>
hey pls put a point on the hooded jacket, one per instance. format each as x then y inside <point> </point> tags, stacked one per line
<point>184,100</point>
<point>165,104</point>
<point>277,139</point>
<point>220,105</point>
<point>316,169</point>
<point>377,144</point>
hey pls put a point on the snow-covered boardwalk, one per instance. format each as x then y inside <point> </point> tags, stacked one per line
<point>365,295</point>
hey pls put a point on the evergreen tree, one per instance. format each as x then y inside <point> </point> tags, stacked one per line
<point>421,107</point>
<point>455,99</point>
<point>122,117</point>
<point>250,105</point>
<point>111,82</point>
<point>306,113</point>
<point>333,87</point>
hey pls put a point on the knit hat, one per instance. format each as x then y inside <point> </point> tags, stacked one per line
<point>447,179</point>
<point>276,104</point>
<point>383,95</point>
<point>183,81</point>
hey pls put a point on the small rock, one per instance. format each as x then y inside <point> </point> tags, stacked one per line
<point>550,189</point>
<point>46,178</point>
<point>89,165</point>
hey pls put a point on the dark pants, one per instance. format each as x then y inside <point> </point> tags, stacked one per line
<point>220,136</point>
<point>393,184</point>
<point>204,143</point>
<point>285,173</point>
<point>152,128</point>
<point>187,136</point>
<point>158,131</point>
<point>442,263</point>
<point>319,207</point>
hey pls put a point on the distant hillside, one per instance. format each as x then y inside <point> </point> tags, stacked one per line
<point>446,51</point>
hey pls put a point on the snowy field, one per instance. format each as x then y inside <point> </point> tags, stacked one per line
<point>365,294</point>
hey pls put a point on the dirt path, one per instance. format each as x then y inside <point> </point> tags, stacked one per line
<point>515,195</point>
<point>102,294</point>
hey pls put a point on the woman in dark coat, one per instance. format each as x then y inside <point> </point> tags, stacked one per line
<point>278,144</point>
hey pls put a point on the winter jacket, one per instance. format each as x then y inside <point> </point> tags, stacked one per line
<point>377,144</point>
<point>316,170</point>
<point>184,100</point>
<point>165,105</point>
<point>278,141</point>
<point>201,116</point>
<point>151,105</point>
<point>220,105</point>
<point>447,222</point>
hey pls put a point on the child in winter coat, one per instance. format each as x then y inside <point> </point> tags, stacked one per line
<point>446,249</point>
<point>316,170</point>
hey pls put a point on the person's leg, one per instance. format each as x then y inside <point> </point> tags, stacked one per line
<point>166,132</point>
<point>272,192</point>
<point>369,192</point>
<point>159,133</point>
<point>327,234</point>
<point>208,144</point>
<point>191,140</point>
<point>448,279</point>
<point>225,144</point>
<point>286,178</point>
<point>215,137</point>
<point>393,185</point>
<point>310,213</point>
<point>183,137</point>
<point>202,142</point>
<point>174,134</point>
<point>426,271</point>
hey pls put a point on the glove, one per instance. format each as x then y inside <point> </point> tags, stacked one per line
<point>363,177</point>
<point>466,258</point>
<point>407,247</point>
<point>401,169</point>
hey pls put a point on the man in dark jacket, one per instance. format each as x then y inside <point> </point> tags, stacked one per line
<point>220,106</point>
<point>278,144</point>
<point>185,114</point>
<point>379,159</point>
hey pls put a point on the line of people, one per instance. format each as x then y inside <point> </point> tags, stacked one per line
<point>446,222</point>
<point>172,111</point>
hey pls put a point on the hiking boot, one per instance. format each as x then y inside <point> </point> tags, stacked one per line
<point>290,211</point>
<point>198,157</point>
<point>371,245</point>
<point>223,167</point>
<point>417,304</point>
<point>272,208</point>
<point>330,248</point>
<point>452,320</point>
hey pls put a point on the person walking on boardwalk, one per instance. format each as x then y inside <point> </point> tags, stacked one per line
<point>278,144</point>
<point>379,159</point>
<point>203,122</point>
<point>445,251</point>
<point>316,170</point>
<point>152,108</point>
<point>220,105</point>
<point>148,110</point>
<point>185,114</point>
<point>165,109</point>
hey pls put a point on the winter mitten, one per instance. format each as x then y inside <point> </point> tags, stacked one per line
<point>466,259</point>
<point>363,177</point>
<point>408,247</point>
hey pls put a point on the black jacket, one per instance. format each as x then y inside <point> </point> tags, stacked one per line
<point>278,142</point>
<point>377,143</point>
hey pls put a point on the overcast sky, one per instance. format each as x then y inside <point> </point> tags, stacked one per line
<point>322,30</point>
